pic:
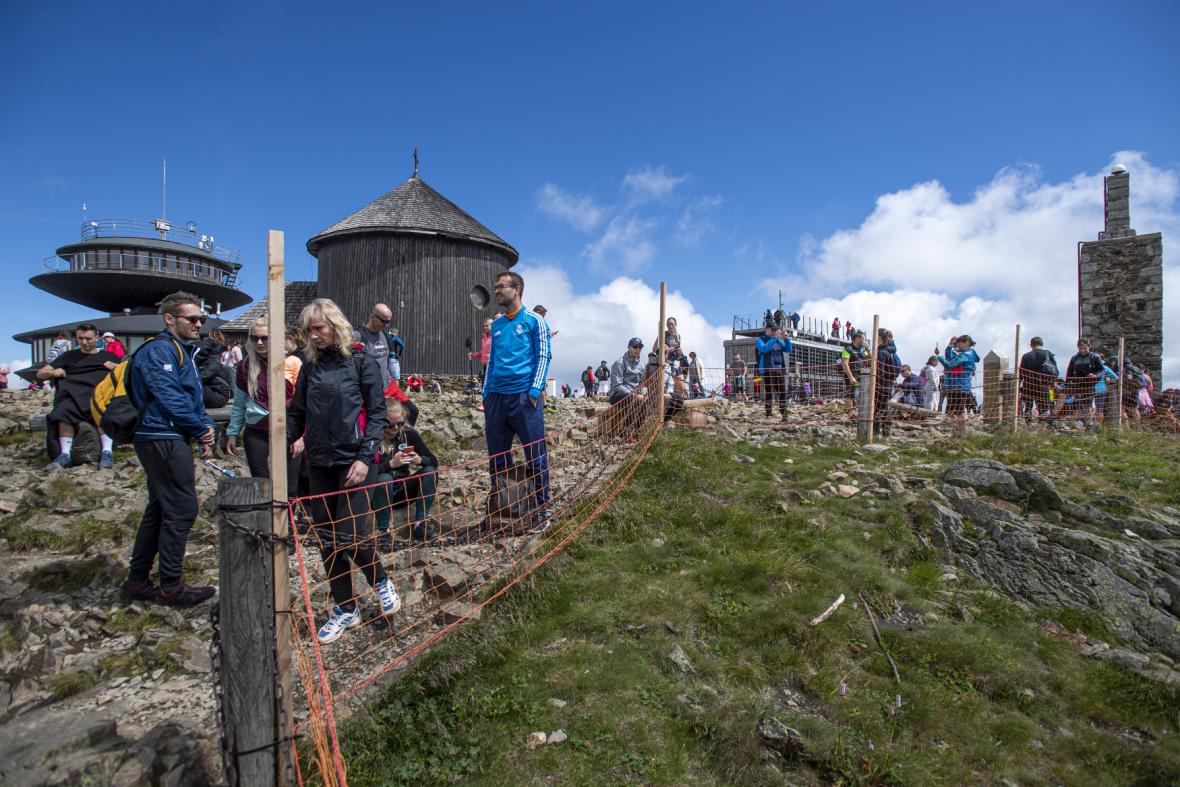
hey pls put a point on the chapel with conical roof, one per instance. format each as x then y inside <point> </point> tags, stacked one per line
<point>425,257</point>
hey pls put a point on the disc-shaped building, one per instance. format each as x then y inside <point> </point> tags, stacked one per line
<point>428,260</point>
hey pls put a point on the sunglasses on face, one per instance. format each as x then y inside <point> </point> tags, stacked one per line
<point>197,319</point>
<point>382,320</point>
<point>260,339</point>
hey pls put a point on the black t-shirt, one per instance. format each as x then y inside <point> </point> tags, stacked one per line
<point>1034,360</point>
<point>83,372</point>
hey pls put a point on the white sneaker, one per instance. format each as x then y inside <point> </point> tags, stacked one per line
<point>390,602</point>
<point>338,621</point>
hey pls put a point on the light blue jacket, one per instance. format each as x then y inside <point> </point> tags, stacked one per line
<point>520,355</point>
<point>960,368</point>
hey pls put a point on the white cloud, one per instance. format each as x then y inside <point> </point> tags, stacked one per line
<point>14,366</point>
<point>579,210</point>
<point>696,220</point>
<point>596,326</point>
<point>625,246</point>
<point>651,183</point>
<point>932,267</point>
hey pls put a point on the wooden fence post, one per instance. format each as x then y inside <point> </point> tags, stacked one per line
<point>872,393</point>
<point>246,612</point>
<point>1010,400</point>
<point>660,382</point>
<point>864,405</point>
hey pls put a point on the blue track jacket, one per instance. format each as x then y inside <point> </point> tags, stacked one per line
<point>772,352</point>
<point>167,392</point>
<point>520,355</point>
<point>960,367</point>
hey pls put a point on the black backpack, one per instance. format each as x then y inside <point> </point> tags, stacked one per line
<point>1049,365</point>
<point>512,500</point>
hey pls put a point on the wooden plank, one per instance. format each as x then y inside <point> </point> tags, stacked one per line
<point>663,350</point>
<point>247,650</point>
<point>281,581</point>
<point>872,393</point>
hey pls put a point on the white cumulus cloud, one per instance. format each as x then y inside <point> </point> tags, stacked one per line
<point>625,246</point>
<point>933,267</point>
<point>651,182</point>
<point>595,326</point>
<point>578,210</point>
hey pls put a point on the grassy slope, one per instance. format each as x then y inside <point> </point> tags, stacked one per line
<point>739,574</point>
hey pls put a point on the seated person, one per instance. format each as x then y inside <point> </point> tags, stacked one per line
<point>406,471</point>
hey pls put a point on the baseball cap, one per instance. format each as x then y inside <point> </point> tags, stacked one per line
<point>108,335</point>
<point>635,342</point>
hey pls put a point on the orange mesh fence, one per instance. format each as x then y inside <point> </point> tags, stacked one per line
<point>447,541</point>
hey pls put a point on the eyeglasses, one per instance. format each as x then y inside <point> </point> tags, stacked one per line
<point>195,320</point>
<point>504,287</point>
<point>260,339</point>
<point>382,320</point>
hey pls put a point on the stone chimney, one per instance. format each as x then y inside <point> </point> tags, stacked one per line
<point>1117,204</point>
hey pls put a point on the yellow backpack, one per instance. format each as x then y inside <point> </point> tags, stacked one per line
<point>110,404</point>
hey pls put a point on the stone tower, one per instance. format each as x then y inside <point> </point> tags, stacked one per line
<point>1121,284</point>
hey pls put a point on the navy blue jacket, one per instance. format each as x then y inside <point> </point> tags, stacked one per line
<point>166,390</point>
<point>772,352</point>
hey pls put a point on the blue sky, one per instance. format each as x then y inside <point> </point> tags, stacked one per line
<point>713,146</point>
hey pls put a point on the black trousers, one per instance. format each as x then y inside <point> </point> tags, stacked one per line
<point>774,383</point>
<point>881,419</point>
<point>170,512</point>
<point>341,523</point>
<point>256,443</point>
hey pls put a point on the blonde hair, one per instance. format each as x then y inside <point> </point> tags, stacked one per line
<point>253,364</point>
<point>332,315</point>
<point>392,407</point>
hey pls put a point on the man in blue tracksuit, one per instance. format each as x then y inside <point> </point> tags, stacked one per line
<point>165,387</point>
<point>516,375</point>
<point>773,356</point>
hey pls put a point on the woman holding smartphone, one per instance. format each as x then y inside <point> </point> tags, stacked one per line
<point>407,471</point>
<point>339,410</point>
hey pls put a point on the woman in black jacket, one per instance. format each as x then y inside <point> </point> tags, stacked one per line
<point>339,410</point>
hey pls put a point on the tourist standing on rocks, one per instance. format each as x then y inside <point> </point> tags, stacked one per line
<point>848,329</point>
<point>959,361</point>
<point>166,390</point>
<point>602,377</point>
<point>1038,373</point>
<point>627,389</point>
<point>76,373</point>
<point>888,367</point>
<point>774,354</point>
<point>111,344</point>
<point>1082,374</point>
<point>60,345</point>
<point>672,349</point>
<point>407,470</point>
<point>740,368</point>
<point>696,376</point>
<point>517,372</point>
<point>250,416</point>
<point>483,354</point>
<point>375,338</point>
<point>4,378</point>
<point>852,360</point>
<point>339,410</point>
<point>929,377</point>
<point>588,381</point>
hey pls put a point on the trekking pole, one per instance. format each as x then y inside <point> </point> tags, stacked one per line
<point>225,471</point>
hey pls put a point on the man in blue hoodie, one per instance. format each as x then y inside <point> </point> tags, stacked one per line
<point>773,355</point>
<point>165,387</point>
<point>516,376</point>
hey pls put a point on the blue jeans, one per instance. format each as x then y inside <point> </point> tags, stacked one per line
<point>395,368</point>
<point>391,493</point>
<point>512,415</point>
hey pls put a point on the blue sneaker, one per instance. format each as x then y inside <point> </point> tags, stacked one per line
<point>62,462</point>
<point>338,621</point>
<point>106,461</point>
<point>390,602</point>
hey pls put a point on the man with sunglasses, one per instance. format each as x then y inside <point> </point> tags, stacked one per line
<point>374,335</point>
<point>165,387</point>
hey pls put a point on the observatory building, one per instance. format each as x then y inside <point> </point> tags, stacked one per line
<point>1121,284</point>
<point>125,268</point>
<point>431,262</point>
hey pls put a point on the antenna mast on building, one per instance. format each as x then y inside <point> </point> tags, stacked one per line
<point>162,225</point>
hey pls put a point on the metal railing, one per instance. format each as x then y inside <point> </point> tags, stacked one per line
<point>160,229</point>
<point>808,327</point>
<point>151,262</point>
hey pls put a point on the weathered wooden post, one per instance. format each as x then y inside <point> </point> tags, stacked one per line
<point>1010,401</point>
<point>661,386</point>
<point>872,387</point>
<point>994,366</point>
<point>247,645</point>
<point>864,405</point>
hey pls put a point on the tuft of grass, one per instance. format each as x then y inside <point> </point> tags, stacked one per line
<point>70,682</point>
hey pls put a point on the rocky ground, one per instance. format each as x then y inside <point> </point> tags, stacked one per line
<point>91,687</point>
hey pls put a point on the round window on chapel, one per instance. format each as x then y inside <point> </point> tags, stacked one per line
<point>479,296</point>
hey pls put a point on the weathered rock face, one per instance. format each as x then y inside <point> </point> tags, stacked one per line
<point>1129,571</point>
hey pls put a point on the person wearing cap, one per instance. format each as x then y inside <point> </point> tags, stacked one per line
<point>517,370</point>
<point>626,374</point>
<point>959,360</point>
<point>111,344</point>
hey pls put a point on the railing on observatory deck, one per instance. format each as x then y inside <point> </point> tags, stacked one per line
<point>160,229</point>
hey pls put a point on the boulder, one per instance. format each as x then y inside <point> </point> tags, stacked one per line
<point>780,738</point>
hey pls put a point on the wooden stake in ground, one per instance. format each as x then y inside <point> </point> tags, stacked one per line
<point>827,613</point>
<point>872,392</point>
<point>1016,383</point>
<point>659,385</point>
<point>277,385</point>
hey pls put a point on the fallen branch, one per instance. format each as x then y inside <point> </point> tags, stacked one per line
<point>827,613</point>
<point>877,635</point>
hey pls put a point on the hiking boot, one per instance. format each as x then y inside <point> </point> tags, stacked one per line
<point>784,418</point>
<point>423,530</point>
<point>62,462</point>
<point>106,461</point>
<point>390,602</point>
<point>384,542</point>
<point>139,591</point>
<point>541,523</point>
<point>184,596</point>
<point>338,621</point>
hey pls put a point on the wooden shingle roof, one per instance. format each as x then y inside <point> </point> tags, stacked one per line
<point>414,208</point>
<point>297,295</point>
